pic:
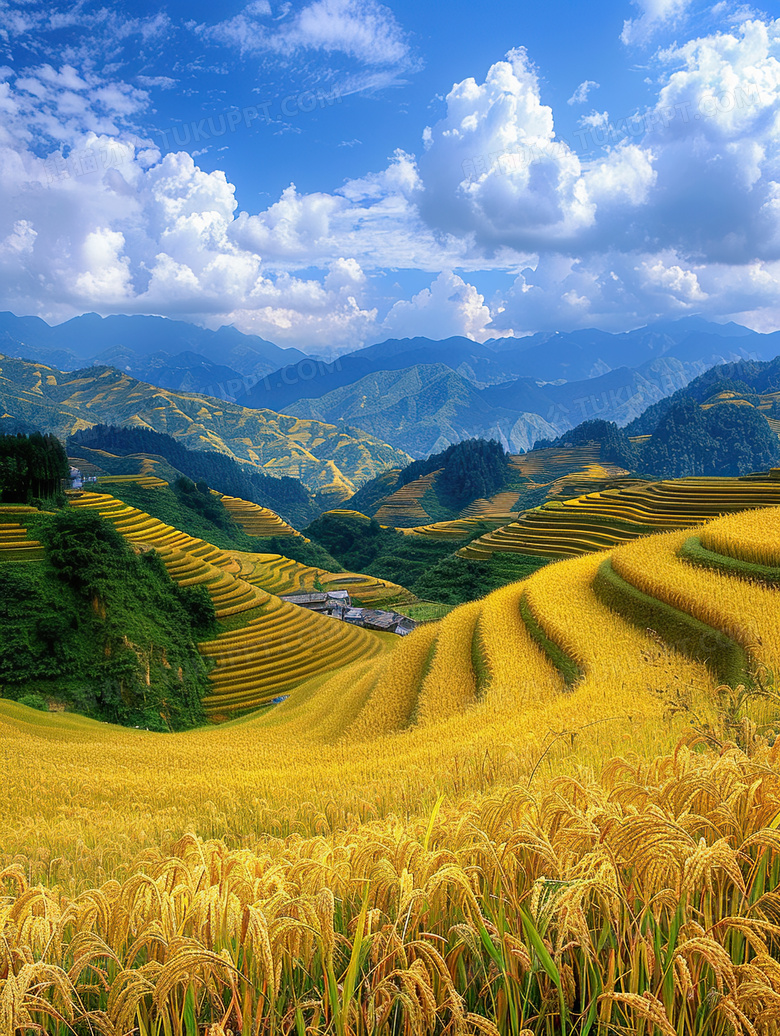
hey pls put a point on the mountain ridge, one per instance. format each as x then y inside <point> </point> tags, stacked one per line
<point>326,458</point>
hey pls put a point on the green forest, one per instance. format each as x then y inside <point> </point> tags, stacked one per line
<point>687,440</point>
<point>32,468</point>
<point>287,496</point>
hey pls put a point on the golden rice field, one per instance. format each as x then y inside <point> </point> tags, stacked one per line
<point>256,520</point>
<point>568,471</point>
<point>280,575</point>
<point>272,646</point>
<point>499,504</point>
<point>146,481</point>
<point>544,466</point>
<point>15,542</point>
<point>757,543</point>
<point>345,512</point>
<point>404,505</point>
<point>508,826</point>
<point>456,529</point>
<point>595,521</point>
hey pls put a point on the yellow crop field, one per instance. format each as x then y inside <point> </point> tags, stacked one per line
<point>277,647</point>
<point>280,575</point>
<point>544,466</point>
<point>758,541</point>
<point>404,505</point>
<point>450,686</point>
<point>616,658</point>
<point>719,600</point>
<point>256,520</point>
<point>15,542</point>
<point>605,519</point>
<point>454,836</point>
<point>456,529</point>
<point>145,480</point>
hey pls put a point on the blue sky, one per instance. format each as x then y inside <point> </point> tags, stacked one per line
<point>328,173</point>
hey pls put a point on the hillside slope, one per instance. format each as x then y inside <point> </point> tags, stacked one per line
<point>103,450</point>
<point>508,829</point>
<point>268,645</point>
<point>90,624</point>
<point>322,456</point>
<point>599,520</point>
<point>590,628</point>
<point>742,379</point>
<point>529,479</point>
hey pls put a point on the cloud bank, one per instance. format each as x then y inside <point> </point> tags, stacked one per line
<point>677,211</point>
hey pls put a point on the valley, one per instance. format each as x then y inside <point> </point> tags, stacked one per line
<point>389,518</point>
<point>265,804</point>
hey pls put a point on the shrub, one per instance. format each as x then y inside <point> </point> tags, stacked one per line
<point>34,701</point>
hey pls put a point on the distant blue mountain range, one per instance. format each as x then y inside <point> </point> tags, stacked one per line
<point>417,394</point>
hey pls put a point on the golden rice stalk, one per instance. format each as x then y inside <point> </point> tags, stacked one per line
<point>646,1006</point>
<point>23,993</point>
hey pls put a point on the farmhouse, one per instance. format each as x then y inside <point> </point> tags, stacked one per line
<point>338,605</point>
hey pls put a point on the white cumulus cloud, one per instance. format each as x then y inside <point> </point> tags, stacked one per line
<point>654,14</point>
<point>451,306</point>
<point>580,95</point>
<point>680,217</point>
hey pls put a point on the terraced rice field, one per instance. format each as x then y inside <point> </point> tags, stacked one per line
<point>498,830</point>
<point>256,520</point>
<point>146,481</point>
<point>278,647</point>
<point>561,472</point>
<point>596,521</point>
<point>345,512</point>
<point>457,529</point>
<point>283,576</point>
<point>563,633</point>
<point>15,543</point>
<point>545,466</point>
<point>403,507</point>
<point>277,650</point>
<point>595,478</point>
<point>497,506</point>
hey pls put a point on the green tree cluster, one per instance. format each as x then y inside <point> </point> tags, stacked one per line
<point>287,496</point>
<point>32,467</point>
<point>102,629</point>
<point>721,440</point>
<point>471,469</point>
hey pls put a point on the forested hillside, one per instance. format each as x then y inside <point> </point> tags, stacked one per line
<point>287,496</point>
<point>32,467</point>
<point>748,377</point>
<point>720,440</point>
<point>729,435</point>
<point>328,459</point>
<point>464,471</point>
<point>478,479</point>
<point>101,629</point>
